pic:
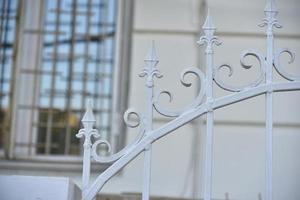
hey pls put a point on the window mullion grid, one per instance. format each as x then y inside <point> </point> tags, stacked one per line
<point>70,76</point>
<point>49,129</point>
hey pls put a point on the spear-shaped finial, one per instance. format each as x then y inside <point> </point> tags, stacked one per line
<point>271,6</point>
<point>209,30</point>
<point>150,69</point>
<point>151,55</point>
<point>208,24</point>
<point>270,19</point>
<point>89,115</point>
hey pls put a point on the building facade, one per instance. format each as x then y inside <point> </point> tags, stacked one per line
<point>123,31</point>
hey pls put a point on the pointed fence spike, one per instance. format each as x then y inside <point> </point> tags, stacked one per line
<point>151,55</point>
<point>89,115</point>
<point>208,24</point>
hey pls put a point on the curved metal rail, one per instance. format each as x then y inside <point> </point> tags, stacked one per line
<point>204,103</point>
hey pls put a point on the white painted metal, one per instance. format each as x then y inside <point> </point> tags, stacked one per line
<point>270,21</point>
<point>209,39</point>
<point>263,85</point>
<point>88,122</point>
<point>149,72</point>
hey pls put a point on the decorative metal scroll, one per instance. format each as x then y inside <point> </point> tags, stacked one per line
<point>204,103</point>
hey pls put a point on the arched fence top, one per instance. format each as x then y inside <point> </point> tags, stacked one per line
<point>204,103</point>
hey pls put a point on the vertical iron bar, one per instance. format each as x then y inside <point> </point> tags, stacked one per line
<point>209,39</point>
<point>149,117</point>
<point>86,170</point>
<point>87,132</point>
<point>209,128</point>
<point>148,150</point>
<point>149,71</point>
<point>270,21</point>
<point>269,117</point>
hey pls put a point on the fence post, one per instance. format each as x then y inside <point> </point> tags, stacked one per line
<point>209,39</point>
<point>88,122</point>
<point>270,21</point>
<point>149,71</point>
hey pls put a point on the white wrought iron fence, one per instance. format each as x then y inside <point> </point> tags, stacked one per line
<point>205,103</point>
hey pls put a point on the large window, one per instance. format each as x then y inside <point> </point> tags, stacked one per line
<point>65,54</point>
<point>77,64</point>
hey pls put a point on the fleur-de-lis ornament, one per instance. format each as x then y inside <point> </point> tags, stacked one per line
<point>270,19</point>
<point>150,70</point>
<point>209,37</point>
<point>88,122</point>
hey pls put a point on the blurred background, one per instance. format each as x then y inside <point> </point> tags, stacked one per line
<point>55,55</point>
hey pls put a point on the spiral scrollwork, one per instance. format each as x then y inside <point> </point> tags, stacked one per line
<point>209,40</point>
<point>80,133</point>
<point>130,112</point>
<point>196,102</point>
<point>270,19</point>
<point>132,124</point>
<point>254,83</point>
<point>278,66</point>
<point>150,74</point>
<point>92,132</point>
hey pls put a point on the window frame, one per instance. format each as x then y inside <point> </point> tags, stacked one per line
<point>120,87</point>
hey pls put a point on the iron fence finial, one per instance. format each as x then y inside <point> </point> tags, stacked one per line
<point>88,117</point>
<point>151,55</point>
<point>208,24</point>
<point>209,37</point>
<point>150,70</point>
